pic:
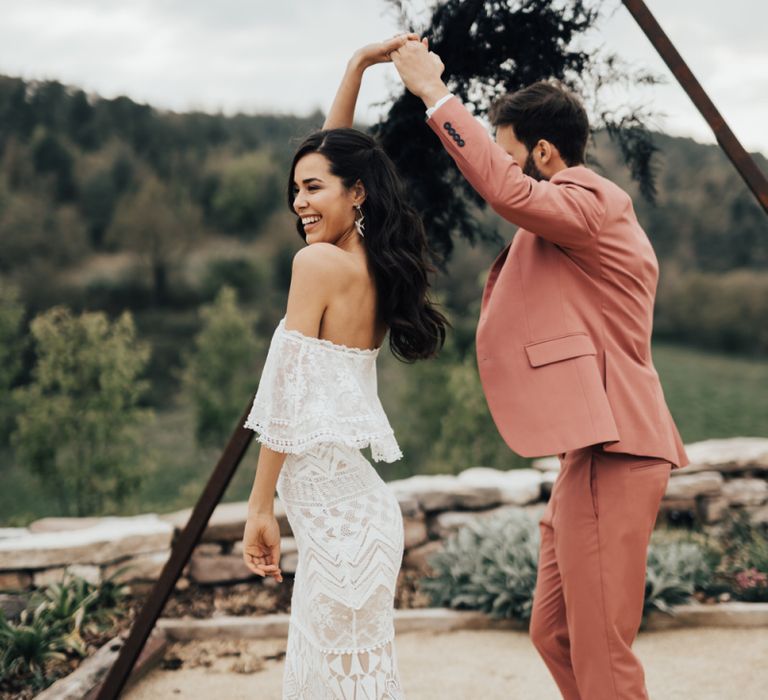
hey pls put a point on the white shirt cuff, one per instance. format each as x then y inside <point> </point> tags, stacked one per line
<point>441,101</point>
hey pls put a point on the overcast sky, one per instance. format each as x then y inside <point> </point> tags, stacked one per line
<point>287,56</point>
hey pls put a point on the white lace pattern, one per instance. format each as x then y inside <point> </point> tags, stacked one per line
<point>317,402</point>
<point>314,391</point>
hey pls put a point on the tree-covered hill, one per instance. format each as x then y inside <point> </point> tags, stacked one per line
<point>86,179</point>
<point>108,204</point>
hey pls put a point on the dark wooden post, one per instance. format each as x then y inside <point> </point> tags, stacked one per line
<point>741,160</point>
<point>180,553</point>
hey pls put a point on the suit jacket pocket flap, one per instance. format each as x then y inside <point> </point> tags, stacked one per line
<point>562,348</point>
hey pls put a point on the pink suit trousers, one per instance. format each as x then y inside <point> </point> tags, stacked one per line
<point>590,589</point>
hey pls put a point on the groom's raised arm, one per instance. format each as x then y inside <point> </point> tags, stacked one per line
<point>565,210</point>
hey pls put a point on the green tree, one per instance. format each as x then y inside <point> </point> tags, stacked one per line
<point>31,231</point>
<point>50,156</point>
<point>468,436</point>
<point>12,343</point>
<point>726,311</point>
<point>490,48</point>
<point>160,225</point>
<point>249,190</point>
<point>79,425</point>
<point>221,370</point>
<point>97,202</point>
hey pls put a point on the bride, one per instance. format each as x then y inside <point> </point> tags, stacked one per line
<point>364,272</point>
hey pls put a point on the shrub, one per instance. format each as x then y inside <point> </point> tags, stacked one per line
<point>491,564</point>
<point>248,191</point>
<point>221,369</point>
<point>26,648</point>
<point>12,344</point>
<point>50,630</point>
<point>79,425</point>
<point>745,560</point>
<point>725,311</point>
<point>488,565</point>
<point>675,570</point>
<point>245,276</point>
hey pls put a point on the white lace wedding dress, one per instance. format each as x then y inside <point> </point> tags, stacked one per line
<point>318,402</point>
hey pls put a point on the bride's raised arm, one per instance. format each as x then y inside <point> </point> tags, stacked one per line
<point>342,112</point>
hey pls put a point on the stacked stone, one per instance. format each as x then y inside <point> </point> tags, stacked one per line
<point>724,475</point>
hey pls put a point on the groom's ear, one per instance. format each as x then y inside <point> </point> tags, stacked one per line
<point>545,150</point>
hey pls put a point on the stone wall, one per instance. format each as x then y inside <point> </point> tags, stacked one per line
<point>724,474</point>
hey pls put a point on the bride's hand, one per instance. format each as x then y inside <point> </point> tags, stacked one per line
<point>379,52</point>
<point>261,545</point>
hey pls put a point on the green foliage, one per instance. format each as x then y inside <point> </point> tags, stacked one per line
<point>248,191</point>
<point>487,50</point>
<point>51,628</point>
<point>79,425</point>
<point>64,600</point>
<point>675,570</point>
<point>28,224</point>
<point>468,435</point>
<point>282,264</point>
<point>712,395</point>
<point>160,225</point>
<point>97,201</point>
<point>248,278</point>
<point>27,648</point>
<point>720,311</point>
<point>745,557</point>
<point>442,420</point>
<point>50,156</point>
<point>705,218</point>
<point>12,344</point>
<point>220,371</point>
<point>489,565</point>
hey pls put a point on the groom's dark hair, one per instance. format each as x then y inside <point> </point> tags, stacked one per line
<point>545,111</point>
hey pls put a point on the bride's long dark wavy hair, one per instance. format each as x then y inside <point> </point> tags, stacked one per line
<point>394,239</point>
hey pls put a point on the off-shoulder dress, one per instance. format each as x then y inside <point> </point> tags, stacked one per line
<point>317,401</point>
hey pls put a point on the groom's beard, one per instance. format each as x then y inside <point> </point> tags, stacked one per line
<point>530,168</point>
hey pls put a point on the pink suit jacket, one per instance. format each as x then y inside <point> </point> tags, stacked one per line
<point>564,336</point>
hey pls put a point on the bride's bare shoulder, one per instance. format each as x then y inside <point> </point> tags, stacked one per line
<point>323,262</point>
<point>318,254</point>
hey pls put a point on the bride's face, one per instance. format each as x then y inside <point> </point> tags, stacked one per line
<point>326,207</point>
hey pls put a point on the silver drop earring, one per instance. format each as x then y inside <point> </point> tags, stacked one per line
<point>359,225</point>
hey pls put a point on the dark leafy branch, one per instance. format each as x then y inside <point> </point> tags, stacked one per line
<point>490,47</point>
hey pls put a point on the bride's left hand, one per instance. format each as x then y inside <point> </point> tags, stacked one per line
<point>261,545</point>
<point>379,52</point>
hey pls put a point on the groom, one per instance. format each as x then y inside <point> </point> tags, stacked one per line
<point>564,354</point>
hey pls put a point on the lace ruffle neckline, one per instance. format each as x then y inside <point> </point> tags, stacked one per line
<point>323,342</point>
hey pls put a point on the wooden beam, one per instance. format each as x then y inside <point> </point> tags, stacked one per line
<point>180,552</point>
<point>741,160</point>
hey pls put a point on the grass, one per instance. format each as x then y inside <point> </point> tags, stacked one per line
<point>710,396</point>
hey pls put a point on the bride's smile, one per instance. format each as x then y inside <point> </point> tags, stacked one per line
<point>326,208</point>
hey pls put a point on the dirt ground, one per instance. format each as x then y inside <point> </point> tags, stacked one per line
<point>705,664</point>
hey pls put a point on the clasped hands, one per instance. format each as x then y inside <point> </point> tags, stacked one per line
<point>420,69</point>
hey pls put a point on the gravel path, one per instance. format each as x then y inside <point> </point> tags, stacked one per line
<point>705,664</point>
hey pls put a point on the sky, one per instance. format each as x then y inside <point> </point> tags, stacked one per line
<point>287,56</point>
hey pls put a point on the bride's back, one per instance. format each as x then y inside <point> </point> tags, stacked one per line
<point>351,316</point>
